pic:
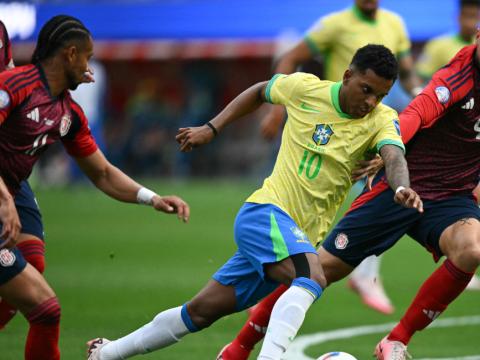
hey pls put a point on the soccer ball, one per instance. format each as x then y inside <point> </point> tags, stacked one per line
<point>337,355</point>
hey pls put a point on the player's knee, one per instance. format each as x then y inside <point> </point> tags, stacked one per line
<point>46,313</point>
<point>466,252</point>
<point>200,314</point>
<point>470,254</point>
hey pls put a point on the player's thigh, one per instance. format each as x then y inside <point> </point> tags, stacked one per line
<point>267,237</point>
<point>212,302</point>
<point>449,226</point>
<point>334,268</point>
<point>306,265</point>
<point>460,242</point>
<point>26,290</point>
<point>369,228</point>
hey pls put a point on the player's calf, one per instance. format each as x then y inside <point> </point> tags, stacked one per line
<point>42,339</point>
<point>169,326</point>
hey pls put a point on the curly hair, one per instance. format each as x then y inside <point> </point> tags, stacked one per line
<point>377,58</point>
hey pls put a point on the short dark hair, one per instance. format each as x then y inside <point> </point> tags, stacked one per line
<point>469,2</point>
<point>56,33</point>
<point>378,58</point>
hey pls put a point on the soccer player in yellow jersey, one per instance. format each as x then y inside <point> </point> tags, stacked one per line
<point>335,38</point>
<point>331,126</point>
<point>438,51</point>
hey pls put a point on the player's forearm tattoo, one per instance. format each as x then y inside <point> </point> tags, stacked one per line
<point>395,166</point>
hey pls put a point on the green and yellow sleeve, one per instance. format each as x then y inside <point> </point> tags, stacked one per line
<point>322,34</point>
<point>285,89</point>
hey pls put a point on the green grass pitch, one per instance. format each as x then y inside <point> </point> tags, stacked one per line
<point>114,266</point>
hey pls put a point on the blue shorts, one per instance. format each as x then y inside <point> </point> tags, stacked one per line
<point>264,234</point>
<point>12,262</point>
<point>377,224</point>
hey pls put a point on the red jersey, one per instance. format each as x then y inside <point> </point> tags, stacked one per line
<point>442,129</point>
<point>5,50</point>
<point>31,119</point>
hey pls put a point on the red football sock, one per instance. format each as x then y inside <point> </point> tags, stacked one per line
<point>254,329</point>
<point>34,253</point>
<point>42,339</point>
<point>436,293</point>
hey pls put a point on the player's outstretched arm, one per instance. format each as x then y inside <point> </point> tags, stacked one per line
<point>8,217</point>
<point>243,104</point>
<point>398,178</point>
<point>115,183</point>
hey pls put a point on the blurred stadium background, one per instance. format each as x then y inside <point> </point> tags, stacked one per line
<point>165,64</point>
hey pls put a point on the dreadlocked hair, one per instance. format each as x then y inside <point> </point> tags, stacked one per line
<point>55,34</point>
<point>377,58</point>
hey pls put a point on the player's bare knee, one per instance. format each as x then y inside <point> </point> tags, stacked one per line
<point>202,313</point>
<point>469,255</point>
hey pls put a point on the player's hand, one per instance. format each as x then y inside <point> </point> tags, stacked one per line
<point>190,137</point>
<point>172,205</point>
<point>409,198</point>
<point>271,124</point>
<point>10,222</point>
<point>367,168</point>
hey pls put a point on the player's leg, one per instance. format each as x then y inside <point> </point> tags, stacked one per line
<point>24,287</point>
<point>365,280</point>
<point>30,241</point>
<point>449,228</point>
<point>168,327</point>
<point>235,287</point>
<point>360,232</point>
<point>254,329</point>
<point>302,271</point>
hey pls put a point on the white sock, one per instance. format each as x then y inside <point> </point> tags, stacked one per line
<point>287,317</point>
<point>369,268</point>
<point>165,329</point>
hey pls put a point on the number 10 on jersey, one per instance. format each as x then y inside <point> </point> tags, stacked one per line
<point>310,165</point>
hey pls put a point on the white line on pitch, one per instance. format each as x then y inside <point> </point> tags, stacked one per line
<point>297,347</point>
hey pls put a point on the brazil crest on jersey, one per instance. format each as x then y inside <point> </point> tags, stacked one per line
<point>320,147</point>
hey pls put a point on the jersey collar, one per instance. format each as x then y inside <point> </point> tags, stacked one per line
<point>461,40</point>
<point>361,16</point>
<point>335,96</point>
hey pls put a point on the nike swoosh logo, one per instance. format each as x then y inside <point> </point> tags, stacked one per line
<point>308,108</point>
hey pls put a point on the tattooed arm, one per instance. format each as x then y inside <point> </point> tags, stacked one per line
<point>397,176</point>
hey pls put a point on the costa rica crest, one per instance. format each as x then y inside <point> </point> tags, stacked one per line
<point>7,258</point>
<point>65,124</point>
<point>322,134</point>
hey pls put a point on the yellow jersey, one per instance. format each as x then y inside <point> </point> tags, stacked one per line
<point>438,52</point>
<point>339,35</point>
<point>320,147</point>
